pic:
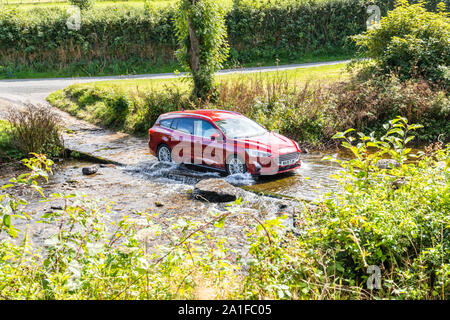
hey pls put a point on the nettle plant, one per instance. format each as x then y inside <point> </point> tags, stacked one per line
<point>12,206</point>
<point>369,150</point>
<point>396,218</point>
<point>90,256</point>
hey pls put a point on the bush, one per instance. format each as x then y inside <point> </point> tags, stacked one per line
<point>113,107</point>
<point>88,256</point>
<point>132,39</point>
<point>311,114</point>
<point>36,129</point>
<point>7,150</point>
<point>411,42</point>
<point>396,219</point>
<point>366,105</point>
<point>83,4</point>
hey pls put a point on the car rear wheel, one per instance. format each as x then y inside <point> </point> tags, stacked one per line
<point>164,153</point>
<point>235,165</point>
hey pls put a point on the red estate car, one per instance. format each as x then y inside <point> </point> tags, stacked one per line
<point>222,140</point>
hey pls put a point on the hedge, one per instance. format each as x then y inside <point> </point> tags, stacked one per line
<point>38,38</point>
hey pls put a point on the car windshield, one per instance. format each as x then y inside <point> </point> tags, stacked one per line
<point>240,128</point>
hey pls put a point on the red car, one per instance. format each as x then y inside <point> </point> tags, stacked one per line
<point>222,140</point>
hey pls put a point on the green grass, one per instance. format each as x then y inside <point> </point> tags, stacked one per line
<point>148,68</point>
<point>313,74</point>
<point>6,147</point>
<point>73,71</point>
<point>321,74</point>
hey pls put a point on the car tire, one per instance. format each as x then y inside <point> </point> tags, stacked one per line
<point>235,165</point>
<point>163,153</point>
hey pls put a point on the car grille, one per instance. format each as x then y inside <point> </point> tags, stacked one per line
<point>288,158</point>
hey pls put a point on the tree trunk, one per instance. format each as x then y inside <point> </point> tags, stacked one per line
<point>194,50</point>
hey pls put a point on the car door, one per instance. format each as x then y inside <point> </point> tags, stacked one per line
<point>182,140</point>
<point>211,149</point>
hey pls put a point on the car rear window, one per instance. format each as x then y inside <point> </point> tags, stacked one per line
<point>186,125</point>
<point>166,123</point>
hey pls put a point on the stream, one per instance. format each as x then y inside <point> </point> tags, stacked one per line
<point>135,182</point>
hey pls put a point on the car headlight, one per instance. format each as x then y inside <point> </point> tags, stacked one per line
<point>257,154</point>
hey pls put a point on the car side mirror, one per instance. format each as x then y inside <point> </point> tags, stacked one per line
<point>216,137</point>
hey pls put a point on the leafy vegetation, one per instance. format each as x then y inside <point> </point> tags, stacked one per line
<point>395,219</point>
<point>411,42</point>
<point>130,39</point>
<point>34,129</point>
<point>7,149</point>
<point>202,36</point>
<point>83,4</point>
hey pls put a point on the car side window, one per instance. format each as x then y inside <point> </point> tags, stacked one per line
<point>186,125</point>
<point>166,123</point>
<point>204,129</point>
<point>174,124</point>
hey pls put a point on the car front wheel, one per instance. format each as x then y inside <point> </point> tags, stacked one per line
<point>236,165</point>
<point>164,154</point>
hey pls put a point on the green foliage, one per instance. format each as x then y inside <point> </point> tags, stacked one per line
<point>396,219</point>
<point>113,107</point>
<point>202,37</point>
<point>7,149</point>
<point>411,42</point>
<point>89,256</point>
<point>127,39</point>
<point>83,4</point>
<point>36,129</point>
<point>12,207</point>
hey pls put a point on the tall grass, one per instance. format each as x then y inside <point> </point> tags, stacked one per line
<point>36,129</point>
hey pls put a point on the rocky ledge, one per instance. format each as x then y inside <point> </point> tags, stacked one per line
<point>214,190</point>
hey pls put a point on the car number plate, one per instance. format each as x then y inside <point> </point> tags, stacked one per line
<point>287,162</point>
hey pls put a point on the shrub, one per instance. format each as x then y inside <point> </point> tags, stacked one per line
<point>132,111</point>
<point>132,39</point>
<point>83,4</point>
<point>311,113</point>
<point>88,256</point>
<point>7,150</point>
<point>411,42</point>
<point>394,219</point>
<point>36,129</point>
<point>366,105</point>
